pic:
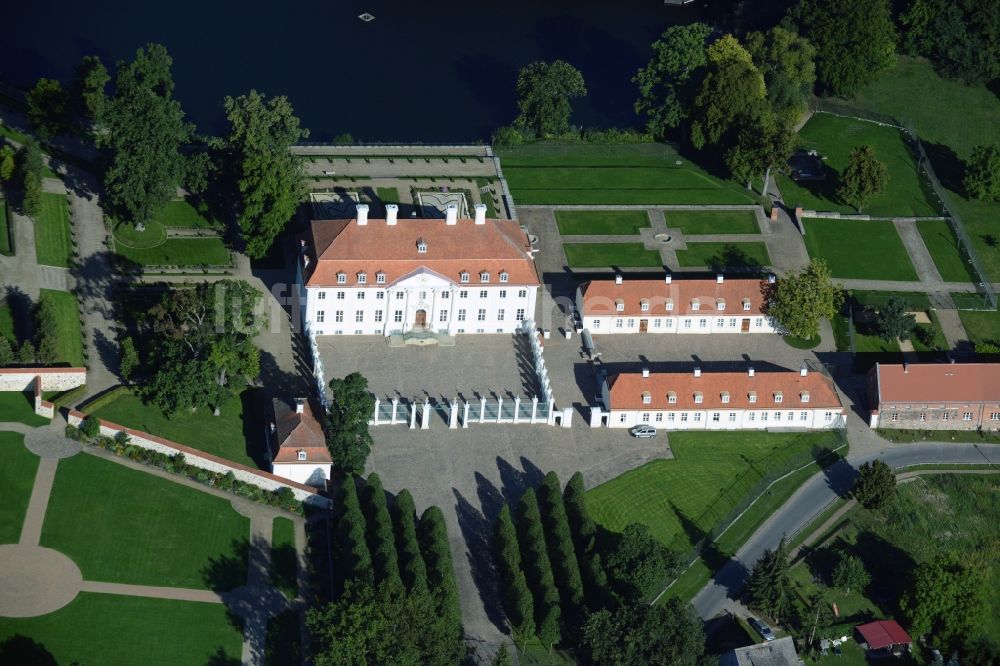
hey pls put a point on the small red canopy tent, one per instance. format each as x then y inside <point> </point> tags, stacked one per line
<point>883,634</point>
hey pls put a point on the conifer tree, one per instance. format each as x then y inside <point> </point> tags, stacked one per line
<point>411,562</point>
<point>565,568</point>
<point>353,559</point>
<point>519,604</point>
<point>538,569</point>
<point>381,539</point>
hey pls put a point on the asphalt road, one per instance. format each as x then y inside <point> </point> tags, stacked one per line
<point>812,497</point>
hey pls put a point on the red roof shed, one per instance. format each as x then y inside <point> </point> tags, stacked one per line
<point>883,634</point>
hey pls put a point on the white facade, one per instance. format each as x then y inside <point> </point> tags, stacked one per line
<point>421,301</point>
<point>798,418</point>
<point>709,322</point>
<point>310,474</point>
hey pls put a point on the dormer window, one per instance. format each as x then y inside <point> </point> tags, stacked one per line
<point>646,398</point>
<point>463,276</point>
<point>752,396</point>
<point>644,305</point>
<point>804,396</point>
<point>697,397</point>
<point>302,455</point>
<point>362,278</point>
<point>620,305</point>
<point>670,305</point>
<point>778,396</point>
<point>746,304</point>
<point>503,276</point>
<point>484,277</point>
<point>695,305</point>
<point>725,397</point>
<point>341,278</point>
<point>380,277</point>
<point>421,246</point>
<point>720,304</point>
<point>671,397</point>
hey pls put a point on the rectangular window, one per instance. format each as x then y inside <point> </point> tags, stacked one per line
<point>443,317</point>
<point>520,314</point>
<point>803,416</point>
<point>321,295</point>
<point>461,315</point>
<point>702,323</point>
<point>994,416</point>
<point>481,315</point>
<point>684,417</point>
<point>657,323</point>
<point>341,278</point>
<point>746,305</point>
<point>720,323</point>
<point>362,278</point>
<point>645,417</point>
<point>777,416</point>
<point>380,278</point>
<point>484,277</point>
<point>361,295</point>
<point>379,295</point>
<point>659,417</point>
<point>732,417</point>
<point>619,323</point>
<point>500,314</point>
<point>687,323</point>
<point>503,293</point>
<point>340,295</point>
<point>397,316</point>
<point>751,416</point>
<point>631,323</point>
<point>378,316</point>
<point>715,417</point>
<point>464,293</point>
<point>423,295</point>
<point>732,323</point>
<point>320,316</point>
<point>697,416</point>
<point>338,315</point>
<point>359,316</point>
<point>945,416</point>
<point>923,416</point>
<point>894,417</point>
<point>445,294</point>
<point>483,293</point>
<point>644,306</point>
<point>621,419</point>
<point>763,416</point>
<point>967,416</point>
<point>463,277</point>
<point>597,323</point>
<point>828,416</point>
<point>400,295</point>
<point>522,293</point>
<point>670,417</point>
<point>503,276</point>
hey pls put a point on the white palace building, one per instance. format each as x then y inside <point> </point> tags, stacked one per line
<point>446,276</point>
<point>685,305</point>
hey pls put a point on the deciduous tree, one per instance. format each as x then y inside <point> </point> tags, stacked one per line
<point>800,300</point>
<point>48,108</point>
<point>270,179</point>
<point>770,584</point>
<point>544,91</point>
<point>863,178</point>
<point>961,37</point>
<point>411,562</point>
<point>731,94</point>
<point>945,599</point>
<point>875,486</point>
<point>638,563</point>
<point>982,173</point>
<point>762,145</point>
<point>644,635</point>
<point>855,40</point>
<point>144,129</point>
<point>668,82</point>
<point>31,167</point>
<point>8,162</point>
<point>787,62</point>
<point>893,320</point>
<point>90,86</point>
<point>850,573</point>
<point>351,405</point>
<point>129,359</point>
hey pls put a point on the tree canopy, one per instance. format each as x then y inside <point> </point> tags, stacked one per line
<point>787,62</point>
<point>89,86</point>
<point>205,348</point>
<point>855,40</point>
<point>544,91</point>
<point>48,108</point>
<point>731,94</point>
<point>644,635</point>
<point>961,37</point>
<point>31,168</point>
<point>638,563</point>
<point>894,321</point>
<point>801,300</point>
<point>144,128</point>
<point>351,405</point>
<point>850,573</point>
<point>668,82</point>
<point>982,173</point>
<point>945,599</point>
<point>268,176</point>
<point>863,178</point>
<point>770,584</point>
<point>875,486</point>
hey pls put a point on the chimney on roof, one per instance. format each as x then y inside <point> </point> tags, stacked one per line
<point>697,371</point>
<point>362,214</point>
<point>668,278</point>
<point>803,370</point>
<point>645,373</point>
<point>750,371</point>
<point>391,212</point>
<point>618,278</point>
<point>771,279</point>
<point>451,214</point>
<point>305,261</point>
<point>720,278</point>
<point>300,405</point>
<point>480,213</point>
<point>906,367</point>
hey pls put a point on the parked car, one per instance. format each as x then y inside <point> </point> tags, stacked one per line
<point>761,628</point>
<point>642,431</point>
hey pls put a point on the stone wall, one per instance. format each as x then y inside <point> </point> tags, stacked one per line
<point>207,461</point>
<point>52,379</point>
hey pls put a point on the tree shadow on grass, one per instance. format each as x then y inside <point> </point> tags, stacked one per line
<point>220,658</point>
<point>253,429</point>
<point>21,310</point>
<point>950,169</point>
<point>732,258</point>
<point>19,649</point>
<point>228,571</point>
<point>891,569</point>
<point>824,189</point>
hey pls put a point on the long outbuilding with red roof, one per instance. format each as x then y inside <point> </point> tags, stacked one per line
<point>935,396</point>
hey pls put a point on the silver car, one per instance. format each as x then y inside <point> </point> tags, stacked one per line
<point>761,628</point>
<point>643,431</point>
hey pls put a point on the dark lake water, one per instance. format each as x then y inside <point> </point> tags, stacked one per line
<point>421,71</point>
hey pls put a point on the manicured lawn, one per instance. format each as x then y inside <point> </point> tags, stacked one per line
<point>388,195</point>
<point>943,246</point>
<point>980,220</point>
<point>6,232</point>
<point>283,645</point>
<point>179,252</point>
<point>578,173</point>
<point>284,558</point>
<point>224,435</point>
<point>712,472</point>
<point>982,326</point>
<point>859,249</point>
<point>114,630</point>
<point>834,138</point>
<point>69,332</point>
<point>126,526</point>
<point>7,328</point>
<point>16,407</point>
<point>712,221</point>
<point>52,232</point>
<point>184,215</point>
<point>601,222</point>
<point>725,256</point>
<point>593,255</point>
<point>17,476</point>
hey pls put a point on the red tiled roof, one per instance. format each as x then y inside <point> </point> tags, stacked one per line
<point>938,382</point>
<point>600,296</point>
<point>337,246</point>
<point>296,432</point>
<point>626,390</point>
<point>883,633</point>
